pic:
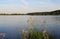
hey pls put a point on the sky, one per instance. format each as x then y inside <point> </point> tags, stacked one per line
<point>26,6</point>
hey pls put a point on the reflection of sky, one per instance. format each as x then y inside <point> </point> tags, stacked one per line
<point>10,24</point>
<point>21,21</point>
<point>16,20</point>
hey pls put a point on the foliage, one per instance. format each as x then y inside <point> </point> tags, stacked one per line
<point>40,35</point>
<point>57,12</point>
<point>35,34</point>
<point>52,37</point>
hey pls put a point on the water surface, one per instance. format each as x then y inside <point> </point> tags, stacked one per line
<point>12,25</point>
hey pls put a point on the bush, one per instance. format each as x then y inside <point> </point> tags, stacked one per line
<point>39,35</point>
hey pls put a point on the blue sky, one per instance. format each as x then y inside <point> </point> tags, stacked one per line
<point>24,6</point>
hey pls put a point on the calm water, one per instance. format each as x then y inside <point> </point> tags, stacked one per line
<point>12,25</point>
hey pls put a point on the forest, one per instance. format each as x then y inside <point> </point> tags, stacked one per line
<point>56,12</point>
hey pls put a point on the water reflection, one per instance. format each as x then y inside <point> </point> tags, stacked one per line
<point>12,25</point>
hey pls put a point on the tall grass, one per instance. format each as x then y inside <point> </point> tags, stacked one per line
<point>34,33</point>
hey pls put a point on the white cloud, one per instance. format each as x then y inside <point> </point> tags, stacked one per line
<point>24,6</point>
<point>43,6</point>
<point>24,3</point>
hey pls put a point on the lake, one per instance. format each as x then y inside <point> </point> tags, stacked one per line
<point>13,25</point>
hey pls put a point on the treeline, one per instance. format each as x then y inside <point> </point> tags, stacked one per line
<point>12,14</point>
<point>57,12</point>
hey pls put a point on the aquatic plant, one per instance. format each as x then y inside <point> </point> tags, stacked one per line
<point>31,23</point>
<point>45,35</point>
<point>40,35</point>
<point>34,33</point>
<point>2,35</point>
<point>24,33</point>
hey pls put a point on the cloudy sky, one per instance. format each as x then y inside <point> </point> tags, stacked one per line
<point>25,6</point>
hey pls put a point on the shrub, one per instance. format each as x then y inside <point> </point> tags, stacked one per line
<point>39,35</point>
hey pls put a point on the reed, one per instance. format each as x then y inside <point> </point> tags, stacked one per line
<point>34,33</point>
